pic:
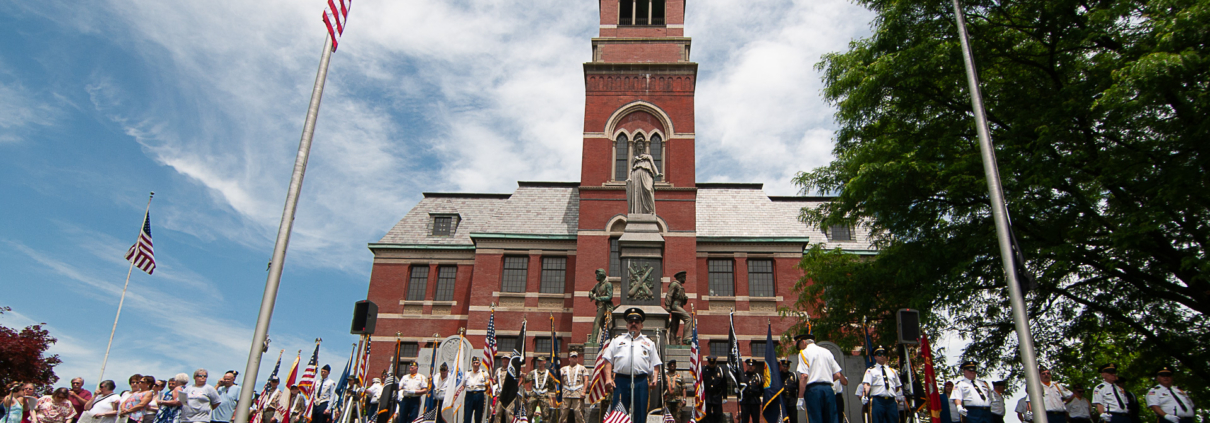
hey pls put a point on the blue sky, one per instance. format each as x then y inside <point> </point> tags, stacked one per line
<point>203,103</point>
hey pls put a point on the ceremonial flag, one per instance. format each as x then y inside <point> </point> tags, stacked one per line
<point>596,388</point>
<point>335,16</point>
<point>290,382</point>
<point>773,408</point>
<point>489,346</point>
<point>509,391</point>
<point>554,363</point>
<point>341,386</point>
<point>735,367</point>
<point>930,381</point>
<point>695,367</point>
<point>430,400</point>
<point>364,369</point>
<point>869,347</point>
<point>308,377</point>
<point>264,396</point>
<point>617,416</point>
<point>141,253</point>
<point>387,401</point>
<point>429,416</point>
<point>455,387</point>
<point>519,413</point>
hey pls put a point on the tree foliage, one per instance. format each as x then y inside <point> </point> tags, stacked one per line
<point>1098,110</point>
<point>23,355</point>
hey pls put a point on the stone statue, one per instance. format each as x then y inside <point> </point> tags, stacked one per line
<point>674,301</point>
<point>640,188</point>
<point>640,282</point>
<point>602,294</point>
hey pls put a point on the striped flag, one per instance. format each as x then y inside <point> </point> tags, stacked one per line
<point>429,416</point>
<point>262,400</point>
<point>489,346</point>
<point>308,378</point>
<point>695,367</point>
<point>616,415</point>
<point>519,413</point>
<point>596,388</point>
<point>335,17</point>
<point>365,365</point>
<point>141,253</point>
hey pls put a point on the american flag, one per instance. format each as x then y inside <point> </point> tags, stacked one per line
<point>616,415</point>
<point>489,346</point>
<point>596,388</point>
<point>365,365</point>
<point>429,416</point>
<point>308,381</point>
<point>263,399</point>
<point>141,253</point>
<point>695,367</point>
<point>668,417</point>
<point>335,17</point>
<point>519,414</point>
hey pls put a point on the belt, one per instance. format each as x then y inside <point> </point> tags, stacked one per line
<point>476,392</point>
<point>884,397</point>
<point>640,375</point>
<point>819,383</point>
<point>980,407</point>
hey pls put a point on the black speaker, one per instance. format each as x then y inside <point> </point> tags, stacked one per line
<point>909,326</point>
<point>365,315</point>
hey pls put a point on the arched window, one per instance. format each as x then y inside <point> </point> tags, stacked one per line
<point>657,153</point>
<point>622,153</point>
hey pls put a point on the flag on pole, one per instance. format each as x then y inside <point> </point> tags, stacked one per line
<point>455,387</point>
<point>519,413</point>
<point>387,403</point>
<point>290,382</point>
<point>869,347</point>
<point>308,376</point>
<point>554,363</point>
<point>264,396</point>
<point>617,416</point>
<point>429,416</point>
<point>735,366</point>
<point>489,346</point>
<point>596,388</point>
<point>773,408</point>
<point>695,367</point>
<point>512,380</point>
<point>930,381</point>
<point>364,369</point>
<point>141,253</point>
<point>335,17</point>
<point>341,386</point>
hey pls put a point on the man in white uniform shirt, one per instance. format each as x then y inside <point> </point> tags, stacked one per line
<point>997,406</point>
<point>1055,396</point>
<point>477,381</point>
<point>882,389</point>
<point>321,413</point>
<point>1079,409</point>
<point>412,386</point>
<point>1110,400</point>
<point>1022,410</point>
<point>374,392</point>
<point>630,362</point>
<point>972,396</point>
<point>1168,401</point>
<point>439,388</point>
<point>817,370</point>
<point>574,378</point>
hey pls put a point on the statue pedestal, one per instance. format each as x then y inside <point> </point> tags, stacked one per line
<point>642,254</point>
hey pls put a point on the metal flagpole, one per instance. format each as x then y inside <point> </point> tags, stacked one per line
<point>122,299</point>
<point>1025,339</point>
<point>283,238</point>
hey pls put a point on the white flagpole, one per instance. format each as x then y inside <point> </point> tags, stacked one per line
<point>1025,339</point>
<point>122,299</point>
<point>283,238</point>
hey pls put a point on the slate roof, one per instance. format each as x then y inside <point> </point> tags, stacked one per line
<point>724,210</point>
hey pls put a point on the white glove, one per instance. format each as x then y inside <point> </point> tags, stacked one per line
<point>802,404</point>
<point>962,410</point>
<point>865,400</point>
<point>1172,418</point>
<point>1105,417</point>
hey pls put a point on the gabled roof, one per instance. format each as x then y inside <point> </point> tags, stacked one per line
<point>546,208</point>
<point>736,211</point>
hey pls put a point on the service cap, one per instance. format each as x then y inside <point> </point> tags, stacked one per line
<point>1165,371</point>
<point>635,313</point>
<point>969,365</point>
<point>1109,368</point>
<point>881,350</point>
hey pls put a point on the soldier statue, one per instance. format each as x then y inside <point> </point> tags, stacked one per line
<point>674,302</point>
<point>602,294</point>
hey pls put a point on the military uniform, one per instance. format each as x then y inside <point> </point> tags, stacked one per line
<point>675,392</point>
<point>634,360</point>
<point>749,405</point>
<point>1173,402</point>
<point>715,390</point>
<point>477,383</point>
<point>972,397</point>
<point>1111,400</point>
<point>883,391</point>
<point>790,385</point>
<point>575,382</point>
<point>817,369</point>
<point>542,394</point>
<point>501,414</point>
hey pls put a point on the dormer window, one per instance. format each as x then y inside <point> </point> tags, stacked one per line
<point>444,224</point>
<point>640,12</point>
<point>840,233</point>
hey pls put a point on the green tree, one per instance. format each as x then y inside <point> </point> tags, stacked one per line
<point>1098,110</point>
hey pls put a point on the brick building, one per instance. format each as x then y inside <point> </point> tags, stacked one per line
<point>533,252</point>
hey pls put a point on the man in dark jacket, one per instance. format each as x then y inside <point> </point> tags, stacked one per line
<point>749,405</point>
<point>715,390</point>
<point>789,382</point>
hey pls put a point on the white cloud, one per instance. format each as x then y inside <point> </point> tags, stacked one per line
<point>22,110</point>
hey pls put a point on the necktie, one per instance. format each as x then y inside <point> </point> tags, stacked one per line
<point>886,385</point>
<point>977,391</point>
<point>1178,399</point>
<point>1119,397</point>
